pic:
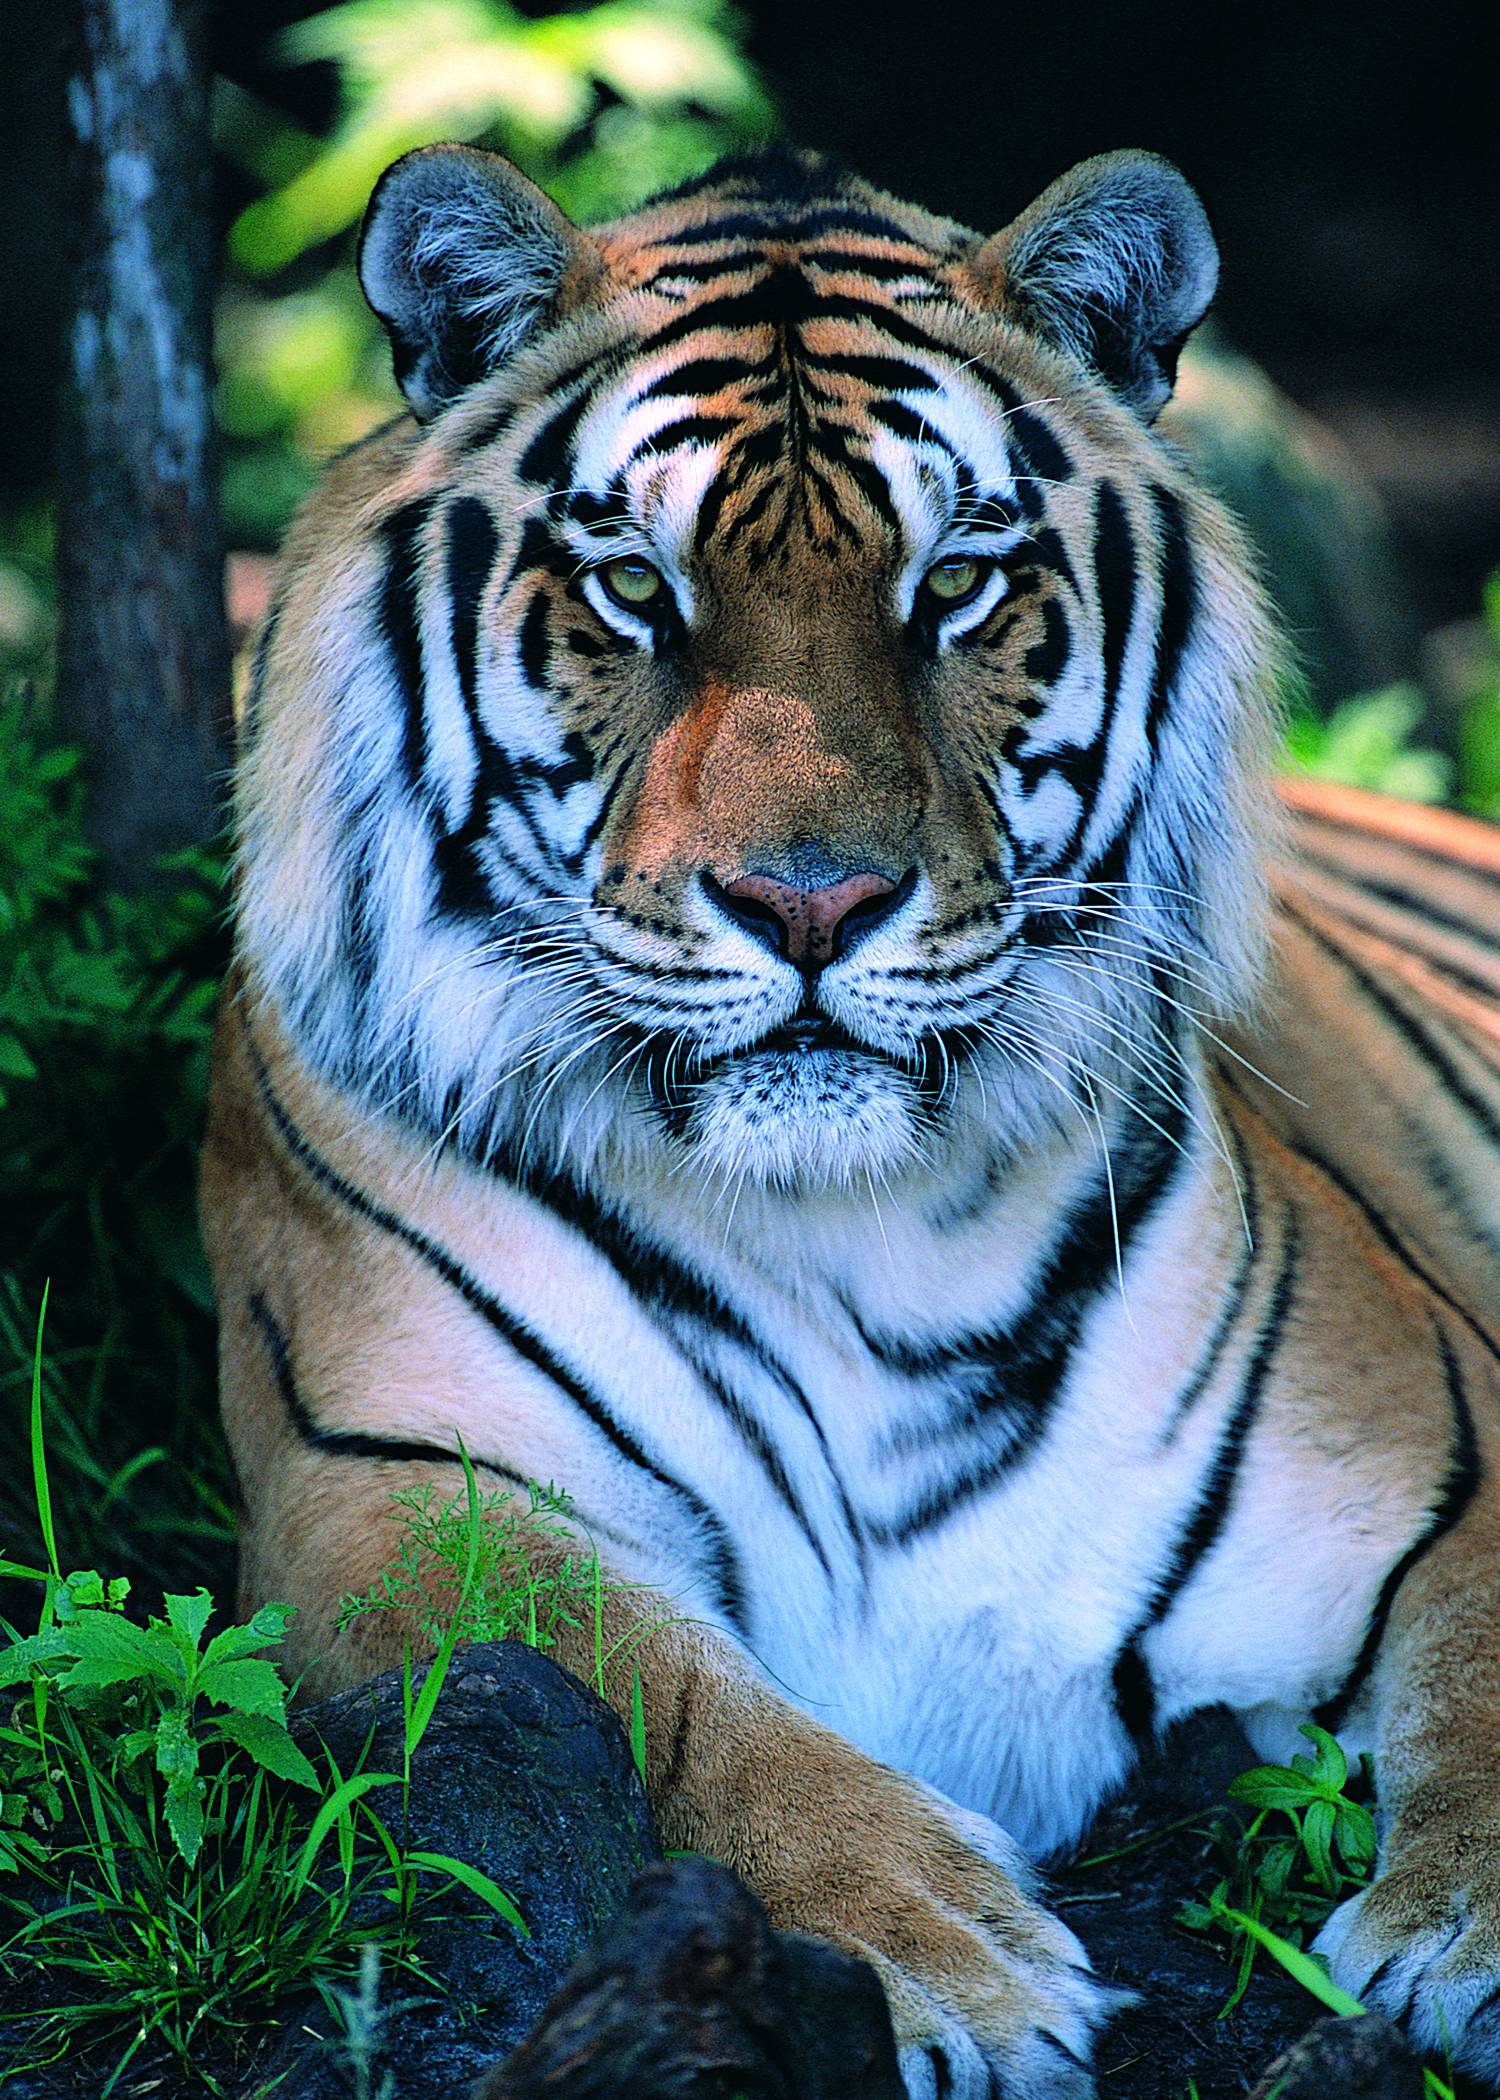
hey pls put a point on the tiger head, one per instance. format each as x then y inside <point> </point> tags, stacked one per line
<point>775,703</point>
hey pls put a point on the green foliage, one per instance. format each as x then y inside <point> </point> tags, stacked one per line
<point>601,105</point>
<point>489,1567</point>
<point>165,1879</point>
<point>508,1595</point>
<point>105,1014</point>
<point>1479,730</point>
<point>1309,1845</point>
<point>1369,742</point>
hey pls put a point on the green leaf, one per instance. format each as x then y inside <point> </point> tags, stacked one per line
<point>337,1804</point>
<point>1302,1968</point>
<point>252,1687</point>
<point>14,1062</point>
<point>21,1658</point>
<point>1329,1764</point>
<point>1270,1786</point>
<point>637,1725</point>
<point>269,1744</point>
<point>184,1809</point>
<point>106,1636</point>
<point>176,1747</point>
<point>1355,1831</point>
<point>188,1616</point>
<point>477,1883</point>
<point>1317,1837</point>
<point>264,1630</point>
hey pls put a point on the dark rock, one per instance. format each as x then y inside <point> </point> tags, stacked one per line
<point>1365,2059</point>
<point>692,1996</point>
<point>526,1775</point>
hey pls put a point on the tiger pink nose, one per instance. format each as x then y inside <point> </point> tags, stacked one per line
<point>808,927</point>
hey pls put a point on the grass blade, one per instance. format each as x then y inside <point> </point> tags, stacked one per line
<point>1299,1966</point>
<point>477,1883</point>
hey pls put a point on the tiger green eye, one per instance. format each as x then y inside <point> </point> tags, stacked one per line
<point>631,582</point>
<point>955,579</point>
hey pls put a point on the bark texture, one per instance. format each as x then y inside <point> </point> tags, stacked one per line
<point>143,660</point>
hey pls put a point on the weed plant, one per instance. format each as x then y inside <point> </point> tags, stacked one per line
<point>1309,1846</point>
<point>173,1864</point>
<point>496,1570</point>
<point>106,1007</point>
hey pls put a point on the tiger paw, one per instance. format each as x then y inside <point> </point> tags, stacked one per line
<point>1422,1945</point>
<point>989,1994</point>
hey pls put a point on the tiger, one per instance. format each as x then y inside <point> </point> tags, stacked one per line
<point>775,990</point>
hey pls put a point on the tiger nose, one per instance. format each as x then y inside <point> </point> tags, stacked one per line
<point>808,927</point>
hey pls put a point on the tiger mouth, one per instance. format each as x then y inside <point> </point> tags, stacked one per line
<point>674,1081</point>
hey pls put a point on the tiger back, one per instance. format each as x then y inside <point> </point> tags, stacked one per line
<point>774,991</point>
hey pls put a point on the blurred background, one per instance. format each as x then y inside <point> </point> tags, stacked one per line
<point>1345,399</point>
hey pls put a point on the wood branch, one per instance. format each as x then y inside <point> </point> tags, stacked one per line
<point>143,661</point>
<point>692,1996</point>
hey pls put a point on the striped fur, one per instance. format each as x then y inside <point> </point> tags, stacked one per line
<point>1072,1305</point>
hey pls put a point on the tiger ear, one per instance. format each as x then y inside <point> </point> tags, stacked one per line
<point>1116,263</point>
<point>461,257</point>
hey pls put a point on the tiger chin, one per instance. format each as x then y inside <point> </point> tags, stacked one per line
<point>774,989</point>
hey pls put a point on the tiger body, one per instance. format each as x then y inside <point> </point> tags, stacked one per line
<point>855,1083</point>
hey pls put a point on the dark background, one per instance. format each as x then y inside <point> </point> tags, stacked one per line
<point>1348,159</point>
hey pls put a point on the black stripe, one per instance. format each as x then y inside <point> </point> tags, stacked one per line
<point>777,222</point>
<point>1460,1483</point>
<point>1418,907</point>
<point>701,376</point>
<point>1215,1489</point>
<point>1234,1298</point>
<point>473,544</point>
<point>264,642</point>
<point>727,1575</point>
<point>350,1443</point>
<point>1410,1029</point>
<point>695,429</point>
<point>1082,765</point>
<point>1383,1230</point>
<point>659,1280</point>
<point>1419,851</point>
<point>533,646</point>
<point>399,627</point>
<point>890,375</point>
<point>1179,601</point>
<point>1022,1370</point>
<point>547,459</point>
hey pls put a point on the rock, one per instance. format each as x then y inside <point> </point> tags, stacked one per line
<point>1365,2059</point>
<point>526,1775</point>
<point>692,1996</point>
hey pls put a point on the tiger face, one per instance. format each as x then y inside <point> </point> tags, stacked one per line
<point>797,738</point>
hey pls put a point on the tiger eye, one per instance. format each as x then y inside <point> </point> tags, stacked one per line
<point>955,579</point>
<point>631,582</point>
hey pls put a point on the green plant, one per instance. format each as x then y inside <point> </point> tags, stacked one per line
<point>1309,1845</point>
<point>487,1567</point>
<point>1368,742</point>
<point>164,1874</point>
<point>106,1009</point>
<point>1479,727</point>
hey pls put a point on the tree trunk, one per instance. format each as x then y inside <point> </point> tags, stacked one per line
<point>143,659</point>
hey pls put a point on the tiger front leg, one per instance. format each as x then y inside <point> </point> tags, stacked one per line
<point>1422,1943</point>
<point>989,1994</point>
